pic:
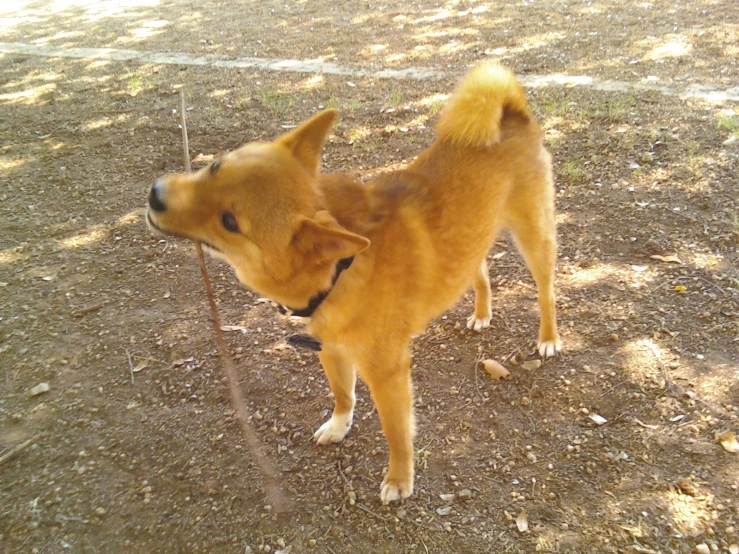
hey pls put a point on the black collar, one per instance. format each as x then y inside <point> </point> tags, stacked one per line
<point>316,301</point>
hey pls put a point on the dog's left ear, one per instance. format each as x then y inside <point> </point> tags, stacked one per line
<point>327,240</point>
<point>306,142</point>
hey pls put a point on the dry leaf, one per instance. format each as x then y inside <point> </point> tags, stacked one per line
<point>234,328</point>
<point>448,497</point>
<point>167,294</point>
<point>680,288</point>
<point>495,370</point>
<point>140,366</point>
<point>599,419</point>
<point>667,259</point>
<point>531,364</point>
<point>728,441</point>
<point>522,523</point>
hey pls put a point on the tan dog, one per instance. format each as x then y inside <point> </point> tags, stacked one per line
<point>409,243</point>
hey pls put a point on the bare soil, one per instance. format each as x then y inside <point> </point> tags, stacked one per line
<point>135,447</point>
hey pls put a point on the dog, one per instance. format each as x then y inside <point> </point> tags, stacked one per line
<point>371,264</point>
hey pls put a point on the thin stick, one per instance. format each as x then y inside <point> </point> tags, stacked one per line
<point>22,446</point>
<point>130,364</point>
<point>271,480</point>
<point>185,141</point>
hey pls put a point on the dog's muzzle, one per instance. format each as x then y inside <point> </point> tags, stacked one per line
<point>156,202</point>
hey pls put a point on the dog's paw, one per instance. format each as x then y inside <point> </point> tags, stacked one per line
<point>478,323</point>
<point>547,349</point>
<point>394,490</point>
<point>334,430</point>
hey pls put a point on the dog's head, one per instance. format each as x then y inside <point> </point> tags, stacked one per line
<point>260,209</point>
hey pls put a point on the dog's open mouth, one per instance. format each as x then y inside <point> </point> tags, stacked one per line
<point>158,230</point>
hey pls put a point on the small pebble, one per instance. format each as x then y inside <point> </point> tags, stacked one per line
<point>39,389</point>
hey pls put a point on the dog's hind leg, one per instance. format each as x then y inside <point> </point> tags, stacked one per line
<point>481,318</point>
<point>535,234</point>
<point>389,379</point>
<point>342,377</point>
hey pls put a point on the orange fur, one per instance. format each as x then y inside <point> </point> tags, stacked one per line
<point>419,236</point>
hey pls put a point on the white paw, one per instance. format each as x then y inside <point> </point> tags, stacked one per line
<point>478,324</point>
<point>547,349</point>
<point>393,490</point>
<point>334,430</point>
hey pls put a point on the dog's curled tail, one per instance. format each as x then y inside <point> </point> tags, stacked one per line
<point>487,94</point>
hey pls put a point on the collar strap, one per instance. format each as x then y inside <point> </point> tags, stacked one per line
<point>304,341</point>
<point>316,301</point>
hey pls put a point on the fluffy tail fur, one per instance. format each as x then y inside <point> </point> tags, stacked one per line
<point>485,96</point>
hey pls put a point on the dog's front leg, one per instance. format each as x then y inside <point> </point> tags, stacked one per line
<point>342,378</point>
<point>389,381</point>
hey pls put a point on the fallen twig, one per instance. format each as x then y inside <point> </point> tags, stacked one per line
<point>271,480</point>
<point>130,364</point>
<point>88,309</point>
<point>12,452</point>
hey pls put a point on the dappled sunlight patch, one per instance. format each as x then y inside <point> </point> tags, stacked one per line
<point>314,82</point>
<point>220,93</point>
<point>641,355</point>
<point>359,133</point>
<point>689,515</point>
<point>7,163</point>
<point>28,96</point>
<point>89,236</point>
<point>96,124</point>
<point>12,256</point>
<point>96,10</point>
<point>372,50</point>
<point>675,48</point>
<point>707,259</point>
<point>65,36</point>
<point>148,29</point>
<point>583,277</point>
<point>131,218</point>
<point>400,57</point>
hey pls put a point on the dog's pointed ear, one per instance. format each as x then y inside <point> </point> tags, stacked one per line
<point>327,240</point>
<point>306,142</point>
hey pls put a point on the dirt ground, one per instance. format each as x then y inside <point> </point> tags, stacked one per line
<point>135,447</point>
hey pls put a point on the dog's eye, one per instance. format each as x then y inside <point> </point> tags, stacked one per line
<point>215,166</point>
<point>229,222</point>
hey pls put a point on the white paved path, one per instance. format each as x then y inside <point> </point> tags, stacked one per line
<point>698,91</point>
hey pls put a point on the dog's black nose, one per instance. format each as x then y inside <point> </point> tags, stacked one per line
<point>155,197</point>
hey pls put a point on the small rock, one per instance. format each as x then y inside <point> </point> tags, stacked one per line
<point>311,542</point>
<point>531,364</point>
<point>100,511</point>
<point>444,510</point>
<point>39,389</point>
<point>465,494</point>
<point>702,548</point>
